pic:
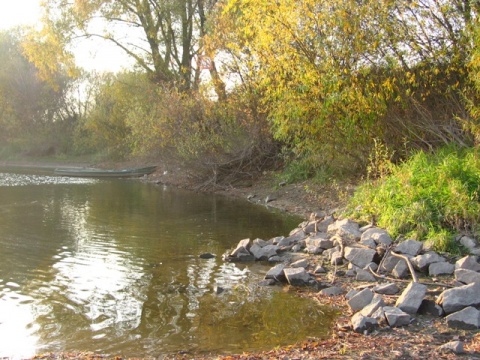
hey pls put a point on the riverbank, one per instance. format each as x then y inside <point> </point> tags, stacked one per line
<point>421,339</point>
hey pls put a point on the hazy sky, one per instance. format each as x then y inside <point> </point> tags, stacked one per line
<point>89,55</point>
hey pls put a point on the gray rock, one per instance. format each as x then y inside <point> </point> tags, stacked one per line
<point>297,276</point>
<point>351,293</point>
<point>370,243</point>
<point>262,243</point>
<point>396,317</point>
<point>276,273</point>
<point>441,268</point>
<point>429,307</point>
<point>389,263</point>
<point>360,300</point>
<point>373,266</point>
<point>409,247</point>
<point>328,253</point>
<point>466,319</point>
<point>365,275</point>
<point>468,242</point>
<point>467,276</point>
<point>302,263</point>
<point>336,258</point>
<point>206,256</point>
<point>242,247</point>
<point>401,271</point>
<point>277,239</point>
<point>245,257</point>
<point>454,346</point>
<point>297,248</point>
<point>411,298</point>
<point>313,249</point>
<point>376,303</point>
<point>332,291</point>
<point>325,244</point>
<point>456,299</point>
<point>361,323</point>
<point>319,270</point>
<point>422,262</point>
<point>218,289</point>
<point>346,228</point>
<point>323,225</point>
<point>270,198</point>
<point>386,289</point>
<point>263,253</point>
<point>379,236</point>
<point>359,256</point>
<point>468,262</point>
<point>267,282</point>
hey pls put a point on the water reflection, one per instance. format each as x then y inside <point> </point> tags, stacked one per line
<point>113,267</point>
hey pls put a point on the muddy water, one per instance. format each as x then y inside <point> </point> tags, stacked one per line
<point>112,266</point>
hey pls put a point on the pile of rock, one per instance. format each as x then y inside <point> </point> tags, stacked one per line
<point>370,256</point>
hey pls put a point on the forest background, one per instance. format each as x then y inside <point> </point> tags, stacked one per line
<point>232,88</point>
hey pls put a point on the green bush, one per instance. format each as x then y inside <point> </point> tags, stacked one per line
<point>429,197</point>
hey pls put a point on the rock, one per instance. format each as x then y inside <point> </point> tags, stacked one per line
<point>267,282</point>
<point>411,298</point>
<point>468,262</point>
<point>351,293</point>
<point>361,323</point>
<point>441,268</point>
<point>303,263</point>
<point>359,256</point>
<point>396,317</point>
<point>365,275</point>
<point>277,239</point>
<point>262,243</point>
<point>454,346</point>
<point>409,247</point>
<point>325,244</point>
<point>336,258</point>
<point>376,303</point>
<point>206,256</point>
<point>319,270</point>
<point>370,243</point>
<point>218,289</point>
<point>328,253</point>
<point>297,276</point>
<point>429,307</point>
<point>332,291</point>
<point>313,249</point>
<point>379,236</point>
<point>456,299</point>
<point>467,276</point>
<point>360,300</point>
<point>245,257</point>
<point>297,248</point>
<point>373,266</point>
<point>242,247</point>
<point>389,263</point>
<point>270,198</point>
<point>276,273</point>
<point>401,271</point>
<point>263,253</point>
<point>466,319</point>
<point>346,228</point>
<point>468,242</point>
<point>422,262</point>
<point>323,225</point>
<point>386,289</point>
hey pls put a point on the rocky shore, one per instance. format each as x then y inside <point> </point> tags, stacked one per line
<point>381,285</point>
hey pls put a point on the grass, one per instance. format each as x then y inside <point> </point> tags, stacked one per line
<point>431,197</point>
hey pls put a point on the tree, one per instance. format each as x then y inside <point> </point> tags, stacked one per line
<point>334,75</point>
<point>29,106</point>
<point>162,36</point>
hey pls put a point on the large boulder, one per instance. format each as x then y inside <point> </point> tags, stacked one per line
<point>242,247</point>
<point>395,316</point>
<point>361,323</point>
<point>360,300</point>
<point>276,273</point>
<point>411,298</point>
<point>376,303</point>
<point>458,298</point>
<point>263,253</point>
<point>360,257</point>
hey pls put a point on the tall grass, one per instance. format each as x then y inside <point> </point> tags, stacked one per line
<point>431,197</point>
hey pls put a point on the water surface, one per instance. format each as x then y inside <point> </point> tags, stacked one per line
<point>112,266</point>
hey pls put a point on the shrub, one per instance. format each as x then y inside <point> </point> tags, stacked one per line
<point>431,197</point>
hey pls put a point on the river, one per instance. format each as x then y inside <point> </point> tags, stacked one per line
<point>112,266</point>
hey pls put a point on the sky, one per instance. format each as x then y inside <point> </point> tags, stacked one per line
<point>88,55</point>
